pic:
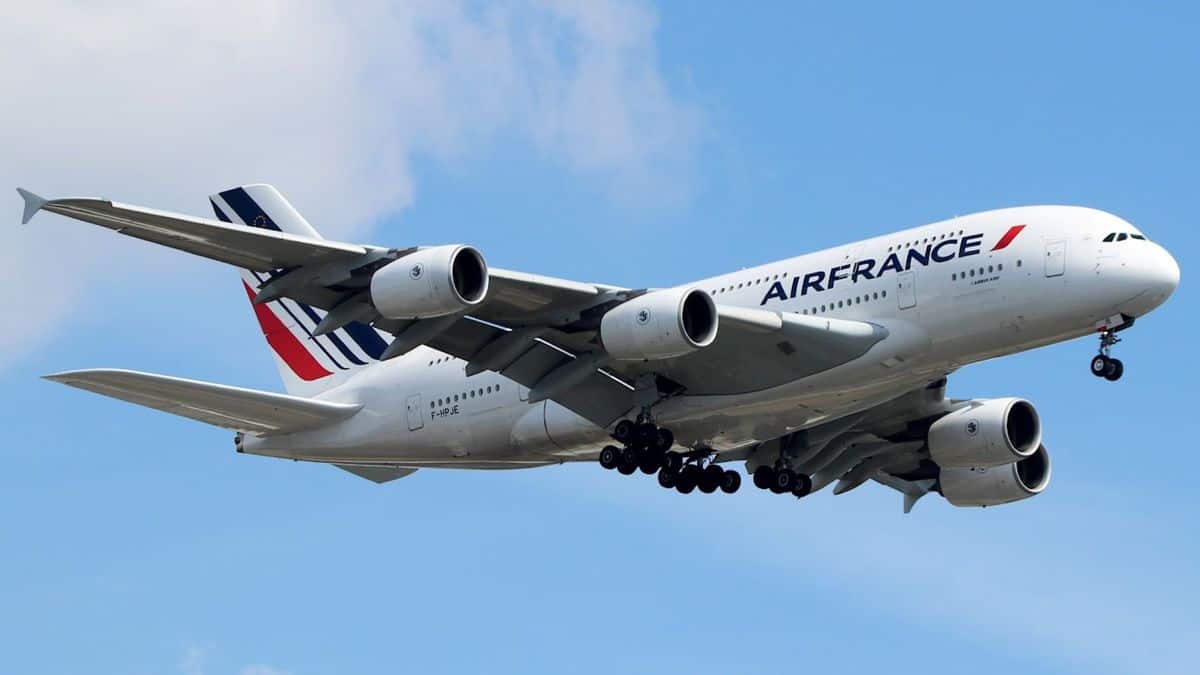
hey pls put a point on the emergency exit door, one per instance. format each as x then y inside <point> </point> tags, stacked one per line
<point>416,418</point>
<point>907,288</point>
<point>1056,258</point>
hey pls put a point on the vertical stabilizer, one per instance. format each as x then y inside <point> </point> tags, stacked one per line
<point>307,362</point>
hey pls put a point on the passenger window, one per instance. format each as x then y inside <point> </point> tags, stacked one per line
<point>884,294</point>
<point>1000,267</point>
<point>1122,237</point>
<point>1111,236</point>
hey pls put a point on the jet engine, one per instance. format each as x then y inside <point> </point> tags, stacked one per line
<point>660,325</point>
<point>988,432</point>
<point>430,282</point>
<point>989,486</point>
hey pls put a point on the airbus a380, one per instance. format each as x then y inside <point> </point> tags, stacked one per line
<point>827,368</point>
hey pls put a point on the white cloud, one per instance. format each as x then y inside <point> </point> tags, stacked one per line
<point>162,104</point>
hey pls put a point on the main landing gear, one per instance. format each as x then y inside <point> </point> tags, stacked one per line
<point>647,448</point>
<point>782,480</point>
<point>1103,364</point>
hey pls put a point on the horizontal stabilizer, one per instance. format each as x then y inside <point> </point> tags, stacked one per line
<point>376,474</point>
<point>221,405</point>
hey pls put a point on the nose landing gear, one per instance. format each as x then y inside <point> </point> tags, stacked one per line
<point>648,447</point>
<point>1104,364</point>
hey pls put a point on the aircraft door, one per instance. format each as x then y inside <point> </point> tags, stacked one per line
<point>907,288</point>
<point>416,417</point>
<point>1056,258</point>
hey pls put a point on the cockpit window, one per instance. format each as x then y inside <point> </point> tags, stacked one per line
<point>1138,236</point>
<point>1122,237</point>
<point>1111,236</point>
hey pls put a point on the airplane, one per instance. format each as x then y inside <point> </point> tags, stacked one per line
<point>825,369</point>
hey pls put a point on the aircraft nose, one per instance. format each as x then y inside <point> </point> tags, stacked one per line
<point>1160,272</point>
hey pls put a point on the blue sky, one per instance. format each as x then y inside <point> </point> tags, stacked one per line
<point>627,143</point>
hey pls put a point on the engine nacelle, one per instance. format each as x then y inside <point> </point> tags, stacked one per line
<point>989,486</point>
<point>660,325</point>
<point>989,432</point>
<point>430,282</point>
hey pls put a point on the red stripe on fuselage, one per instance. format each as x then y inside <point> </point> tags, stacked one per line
<point>286,345</point>
<point>1008,237</point>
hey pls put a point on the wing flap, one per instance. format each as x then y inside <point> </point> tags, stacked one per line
<point>599,397</point>
<point>221,405</point>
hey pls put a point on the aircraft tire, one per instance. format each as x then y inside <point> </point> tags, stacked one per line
<point>764,477</point>
<point>663,439</point>
<point>785,480</point>
<point>650,462</point>
<point>673,461</point>
<point>610,456</point>
<point>802,487</point>
<point>730,481</point>
<point>1115,370</point>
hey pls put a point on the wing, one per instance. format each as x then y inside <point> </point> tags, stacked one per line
<point>217,404</point>
<point>540,331</point>
<point>249,247</point>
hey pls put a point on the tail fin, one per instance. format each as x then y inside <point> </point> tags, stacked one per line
<point>307,363</point>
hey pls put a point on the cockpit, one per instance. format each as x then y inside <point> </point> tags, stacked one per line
<point>1122,236</point>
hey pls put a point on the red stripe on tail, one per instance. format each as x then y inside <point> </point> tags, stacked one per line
<point>1008,237</point>
<point>285,344</point>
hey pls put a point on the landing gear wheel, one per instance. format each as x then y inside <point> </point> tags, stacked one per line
<point>673,461</point>
<point>631,456</point>
<point>689,478</point>
<point>610,456</point>
<point>667,478</point>
<point>663,439</point>
<point>686,482</point>
<point>710,479</point>
<point>651,461</point>
<point>1100,365</point>
<point>764,476</point>
<point>623,432</point>
<point>730,481</point>
<point>802,487</point>
<point>627,468</point>
<point>785,480</point>
<point>1115,370</point>
<point>644,434</point>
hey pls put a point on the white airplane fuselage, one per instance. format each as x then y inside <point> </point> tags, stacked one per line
<point>948,294</point>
